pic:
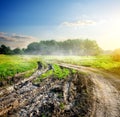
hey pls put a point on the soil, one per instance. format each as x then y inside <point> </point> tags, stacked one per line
<point>106,91</point>
<point>87,93</point>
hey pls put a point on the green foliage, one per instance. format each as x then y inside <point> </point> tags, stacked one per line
<point>5,50</point>
<point>43,76</point>
<point>57,73</point>
<point>52,47</point>
<point>43,115</point>
<point>60,73</point>
<point>67,47</point>
<point>29,73</point>
<point>48,73</point>
<point>11,65</point>
<point>73,71</point>
<point>100,62</point>
<point>116,55</point>
<point>91,47</point>
<point>17,51</point>
<point>62,106</point>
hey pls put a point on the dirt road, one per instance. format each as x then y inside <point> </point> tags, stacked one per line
<point>107,96</point>
<point>64,98</point>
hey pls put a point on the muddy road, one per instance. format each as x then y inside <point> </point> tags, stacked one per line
<point>90,94</point>
<point>106,92</point>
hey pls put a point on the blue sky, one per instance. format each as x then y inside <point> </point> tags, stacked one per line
<point>25,21</point>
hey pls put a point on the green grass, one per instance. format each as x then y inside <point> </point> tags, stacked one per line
<point>60,73</point>
<point>43,76</point>
<point>62,106</point>
<point>11,65</point>
<point>29,73</point>
<point>101,62</point>
<point>56,73</point>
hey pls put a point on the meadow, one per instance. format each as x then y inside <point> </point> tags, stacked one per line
<point>105,62</point>
<point>11,65</point>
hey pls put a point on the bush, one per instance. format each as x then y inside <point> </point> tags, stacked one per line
<point>116,55</point>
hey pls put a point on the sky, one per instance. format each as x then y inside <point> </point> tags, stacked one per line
<point>26,21</point>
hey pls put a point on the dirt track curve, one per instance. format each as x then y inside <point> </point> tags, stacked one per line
<point>58,98</point>
<point>107,96</point>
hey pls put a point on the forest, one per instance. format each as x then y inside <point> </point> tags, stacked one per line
<point>51,47</point>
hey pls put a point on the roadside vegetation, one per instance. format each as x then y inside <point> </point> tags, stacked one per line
<point>106,62</point>
<point>12,65</point>
<point>57,72</point>
<point>15,64</point>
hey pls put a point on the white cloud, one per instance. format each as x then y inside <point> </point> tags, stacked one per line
<point>2,33</point>
<point>79,23</point>
<point>15,40</point>
<point>6,38</point>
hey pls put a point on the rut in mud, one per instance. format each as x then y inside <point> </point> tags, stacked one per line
<point>52,98</point>
<point>78,95</point>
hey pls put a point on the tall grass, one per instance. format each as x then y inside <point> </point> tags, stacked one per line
<point>11,65</point>
<point>101,62</point>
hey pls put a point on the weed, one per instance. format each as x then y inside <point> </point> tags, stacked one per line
<point>62,106</point>
<point>43,76</point>
<point>60,73</point>
<point>73,71</point>
<point>57,73</point>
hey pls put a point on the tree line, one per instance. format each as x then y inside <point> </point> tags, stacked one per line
<point>52,47</point>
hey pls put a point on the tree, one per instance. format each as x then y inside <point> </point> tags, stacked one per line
<point>17,51</point>
<point>5,50</point>
<point>32,48</point>
<point>67,47</point>
<point>91,47</point>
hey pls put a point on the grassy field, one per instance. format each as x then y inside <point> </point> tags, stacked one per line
<point>11,65</point>
<point>101,62</point>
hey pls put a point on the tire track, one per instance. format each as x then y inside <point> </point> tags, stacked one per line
<point>29,100</point>
<point>107,97</point>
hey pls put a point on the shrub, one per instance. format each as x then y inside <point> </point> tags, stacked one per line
<point>116,55</point>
